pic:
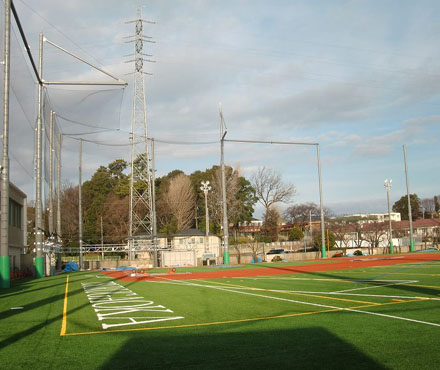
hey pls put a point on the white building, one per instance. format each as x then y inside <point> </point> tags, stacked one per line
<point>380,217</point>
<point>206,249</point>
<point>17,227</point>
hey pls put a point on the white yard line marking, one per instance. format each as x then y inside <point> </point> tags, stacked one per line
<point>300,302</point>
<point>341,280</point>
<point>377,286</point>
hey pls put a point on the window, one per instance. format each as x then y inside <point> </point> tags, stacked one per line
<point>15,210</point>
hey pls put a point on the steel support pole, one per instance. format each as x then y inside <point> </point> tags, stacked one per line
<point>4,223</point>
<point>59,188</point>
<point>153,194</point>
<point>388,187</point>
<point>39,264</point>
<point>80,222</point>
<point>58,228</point>
<point>225,209</point>
<point>411,235</point>
<point>321,204</point>
<point>51,224</point>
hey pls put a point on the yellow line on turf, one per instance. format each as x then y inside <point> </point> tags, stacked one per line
<point>64,322</point>
<point>294,293</point>
<point>213,323</point>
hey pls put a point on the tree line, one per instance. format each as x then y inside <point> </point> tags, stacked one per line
<point>179,201</point>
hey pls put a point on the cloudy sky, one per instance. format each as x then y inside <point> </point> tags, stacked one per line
<point>362,78</point>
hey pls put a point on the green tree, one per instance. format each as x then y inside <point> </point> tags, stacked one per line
<point>105,181</point>
<point>317,240</point>
<point>296,234</point>
<point>436,203</point>
<point>271,228</point>
<point>401,206</point>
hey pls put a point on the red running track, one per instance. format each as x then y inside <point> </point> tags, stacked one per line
<point>340,264</point>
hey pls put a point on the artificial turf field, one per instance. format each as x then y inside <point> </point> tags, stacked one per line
<point>308,316</point>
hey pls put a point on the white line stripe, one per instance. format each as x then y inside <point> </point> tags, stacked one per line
<point>376,286</point>
<point>341,280</point>
<point>305,303</point>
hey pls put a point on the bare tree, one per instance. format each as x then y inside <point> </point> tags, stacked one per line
<point>115,216</point>
<point>180,200</point>
<point>373,233</point>
<point>215,196</point>
<point>428,206</point>
<point>69,211</point>
<point>269,187</point>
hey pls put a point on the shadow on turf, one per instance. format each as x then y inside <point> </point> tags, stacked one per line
<point>307,348</point>
<point>386,275</point>
<point>57,298</point>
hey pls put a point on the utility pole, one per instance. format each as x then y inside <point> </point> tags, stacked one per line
<point>223,133</point>
<point>102,240</point>
<point>39,265</point>
<point>59,188</point>
<point>388,187</point>
<point>58,229</point>
<point>205,188</point>
<point>153,179</point>
<point>80,221</point>
<point>411,235</point>
<point>321,204</point>
<point>5,282</point>
<point>141,206</point>
<point>51,224</point>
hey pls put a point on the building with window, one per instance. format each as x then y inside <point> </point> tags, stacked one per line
<point>17,226</point>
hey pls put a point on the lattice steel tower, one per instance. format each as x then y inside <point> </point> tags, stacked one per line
<point>141,203</point>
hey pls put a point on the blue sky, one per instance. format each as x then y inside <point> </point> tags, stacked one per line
<point>361,78</point>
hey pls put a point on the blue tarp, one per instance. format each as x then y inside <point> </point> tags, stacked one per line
<point>71,266</point>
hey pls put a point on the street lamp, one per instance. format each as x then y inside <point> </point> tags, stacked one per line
<point>205,188</point>
<point>388,187</point>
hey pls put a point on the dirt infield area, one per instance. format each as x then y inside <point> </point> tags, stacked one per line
<point>332,265</point>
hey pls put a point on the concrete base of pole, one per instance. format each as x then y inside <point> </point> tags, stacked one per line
<point>226,258</point>
<point>391,247</point>
<point>5,281</point>
<point>39,267</point>
<point>411,246</point>
<point>323,254</point>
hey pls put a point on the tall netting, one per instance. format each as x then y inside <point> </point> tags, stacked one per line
<point>84,102</point>
<point>22,113</point>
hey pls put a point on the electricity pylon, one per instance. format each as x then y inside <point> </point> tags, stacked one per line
<point>141,203</point>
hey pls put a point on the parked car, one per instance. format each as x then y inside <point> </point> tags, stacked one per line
<point>276,251</point>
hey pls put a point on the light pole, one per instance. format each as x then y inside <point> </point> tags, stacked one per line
<point>205,188</point>
<point>388,187</point>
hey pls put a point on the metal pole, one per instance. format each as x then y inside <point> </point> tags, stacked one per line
<point>4,226</point>
<point>153,194</point>
<point>80,208</point>
<point>205,188</point>
<point>225,210</point>
<point>411,235</point>
<point>388,187</point>
<point>58,230</point>
<point>51,228</point>
<point>102,240</point>
<point>39,264</point>
<point>323,254</point>
<point>59,188</point>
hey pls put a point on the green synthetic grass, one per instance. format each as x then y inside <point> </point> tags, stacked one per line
<point>284,321</point>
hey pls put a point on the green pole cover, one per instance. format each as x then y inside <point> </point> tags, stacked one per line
<point>39,267</point>
<point>411,246</point>
<point>391,247</point>
<point>5,280</point>
<point>323,254</point>
<point>226,258</point>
